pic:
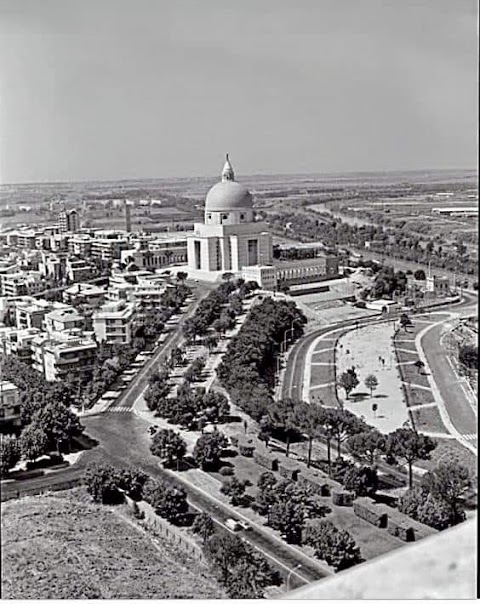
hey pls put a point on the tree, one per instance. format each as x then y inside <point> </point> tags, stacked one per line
<point>363,481</point>
<point>203,525</point>
<point>177,355</point>
<point>33,442</point>
<point>243,572</point>
<point>169,446</point>
<point>208,449</point>
<point>410,446</point>
<point>289,518</point>
<point>419,274</point>
<point>310,419</point>
<point>371,382</point>
<point>336,547</point>
<point>266,429</point>
<point>342,424</point>
<point>182,276</point>
<point>468,356</point>
<point>405,321</point>
<point>9,455</point>
<point>266,480</point>
<point>102,484</point>
<point>366,446</point>
<point>435,513</point>
<point>59,424</point>
<point>235,489</point>
<point>168,502</point>
<point>348,381</point>
<point>283,416</point>
<point>448,482</point>
<point>419,365</point>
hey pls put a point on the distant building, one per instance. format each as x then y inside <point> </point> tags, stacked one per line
<point>128,217</point>
<point>86,293</point>
<point>461,211</point>
<point>68,221</point>
<point>113,322</point>
<point>439,286</point>
<point>77,269</point>
<point>310,270</point>
<point>21,284</point>
<point>264,276</point>
<point>10,412</point>
<point>158,254</point>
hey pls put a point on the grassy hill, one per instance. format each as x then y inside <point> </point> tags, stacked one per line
<point>61,546</point>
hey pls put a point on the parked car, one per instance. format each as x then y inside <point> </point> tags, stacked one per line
<point>233,525</point>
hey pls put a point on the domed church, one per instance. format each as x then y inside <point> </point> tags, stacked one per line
<point>229,239</point>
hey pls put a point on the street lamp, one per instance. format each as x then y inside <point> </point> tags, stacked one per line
<point>287,583</point>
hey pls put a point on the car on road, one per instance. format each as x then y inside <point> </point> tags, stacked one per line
<point>233,524</point>
<point>245,525</point>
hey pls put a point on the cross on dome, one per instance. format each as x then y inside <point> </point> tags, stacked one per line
<point>227,172</point>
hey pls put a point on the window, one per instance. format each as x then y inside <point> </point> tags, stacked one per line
<point>252,252</point>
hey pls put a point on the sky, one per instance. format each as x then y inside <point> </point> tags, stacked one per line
<point>117,89</point>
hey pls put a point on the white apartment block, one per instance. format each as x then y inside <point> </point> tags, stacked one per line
<point>64,319</point>
<point>113,322</point>
<point>63,354</point>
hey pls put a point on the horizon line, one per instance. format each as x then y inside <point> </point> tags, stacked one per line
<point>250,175</point>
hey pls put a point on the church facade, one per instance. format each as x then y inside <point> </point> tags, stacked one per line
<point>229,238</point>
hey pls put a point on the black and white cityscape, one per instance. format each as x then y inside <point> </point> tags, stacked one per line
<point>238,299</point>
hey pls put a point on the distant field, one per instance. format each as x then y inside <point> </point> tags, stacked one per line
<point>63,547</point>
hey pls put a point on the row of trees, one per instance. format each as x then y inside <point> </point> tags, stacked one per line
<point>191,407</point>
<point>247,370</point>
<point>218,310</point>
<point>396,240</point>
<point>338,426</point>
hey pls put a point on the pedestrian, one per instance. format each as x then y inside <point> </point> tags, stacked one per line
<point>245,425</point>
<point>347,351</point>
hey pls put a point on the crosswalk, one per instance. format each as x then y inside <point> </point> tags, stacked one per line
<point>470,436</point>
<point>120,410</point>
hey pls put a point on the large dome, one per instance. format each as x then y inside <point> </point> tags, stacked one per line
<point>228,195</point>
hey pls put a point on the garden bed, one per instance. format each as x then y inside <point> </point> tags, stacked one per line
<point>411,374</point>
<point>322,374</point>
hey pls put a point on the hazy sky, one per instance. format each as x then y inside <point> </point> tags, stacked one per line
<point>106,89</point>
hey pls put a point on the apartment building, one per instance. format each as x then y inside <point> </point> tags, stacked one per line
<point>77,269</point>
<point>10,412</point>
<point>158,254</point>
<point>64,319</point>
<point>21,283</point>
<point>18,342</point>
<point>61,354</point>
<point>86,293</point>
<point>113,322</point>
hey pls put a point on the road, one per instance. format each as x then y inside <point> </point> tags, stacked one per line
<point>124,439</point>
<point>295,369</point>
<point>455,391</point>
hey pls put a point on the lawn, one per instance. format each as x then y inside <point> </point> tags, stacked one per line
<point>63,547</point>
<point>418,396</point>
<point>322,374</point>
<point>323,356</point>
<point>411,374</point>
<point>428,419</point>
<point>406,357</point>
